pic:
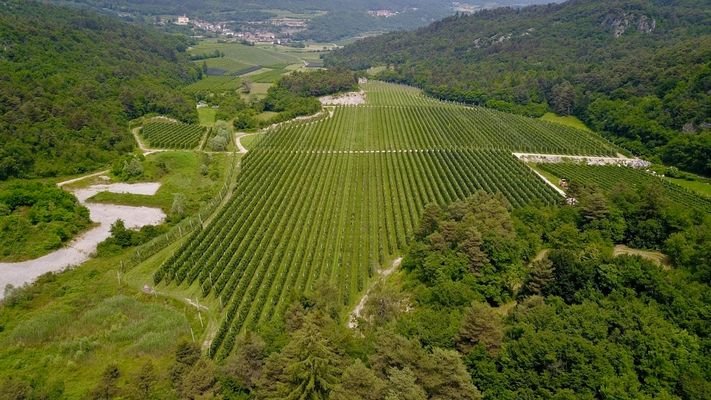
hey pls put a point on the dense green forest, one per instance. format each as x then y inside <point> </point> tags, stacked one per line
<point>71,80</point>
<point>36,218</point>
<point>319,83</point>
<point>572,321</point>
<point>637,71</point>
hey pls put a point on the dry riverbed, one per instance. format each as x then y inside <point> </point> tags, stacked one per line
<point>81,248</point>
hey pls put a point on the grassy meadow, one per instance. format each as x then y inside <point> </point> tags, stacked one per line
<point>206,116</point>
<point>179,172</point>
<point>66,328</point>
<point>567,120</point>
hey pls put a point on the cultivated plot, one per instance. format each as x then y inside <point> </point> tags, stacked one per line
<point>172,135</point>
<point>608,177</point>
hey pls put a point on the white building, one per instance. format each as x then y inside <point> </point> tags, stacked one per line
<point>184,20</point>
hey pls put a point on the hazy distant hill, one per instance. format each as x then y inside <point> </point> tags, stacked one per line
<point>639,71</point>
<point>342,18</point>
<point>71,80</point>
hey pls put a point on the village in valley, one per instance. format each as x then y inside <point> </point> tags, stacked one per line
<point>277,30</point>
<point>285,29</point>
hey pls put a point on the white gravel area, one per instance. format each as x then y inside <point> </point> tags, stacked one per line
<point>81,248</point>
<point>148,189</point>
<point>344,99</point>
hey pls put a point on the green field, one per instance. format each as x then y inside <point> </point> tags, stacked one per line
<point>352,189</point>
<point>238,56</point>
<point>248,142</point>
<point>172,135</point>
<point>266,75</point>
<point>224,66</point>
<point>274,60</point>
<point>179,173</point>
<point>700,185</point>
<point>266,115</point>
<point>67,327</point>
<point>207,116</point>
<point>568,120</point>
<point>609,177</point>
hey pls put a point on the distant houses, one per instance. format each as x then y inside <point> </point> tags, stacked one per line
<point>382,13</point>
<point>184,20</point>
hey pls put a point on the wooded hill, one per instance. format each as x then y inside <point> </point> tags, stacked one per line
<point>70,82</point>
<point>638,71</point>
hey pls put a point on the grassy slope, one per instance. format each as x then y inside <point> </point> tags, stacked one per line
<point>656,257</point>
<point>74,324</point>
<point>249,141</point>
<point>67,328</point>
<point>567,120</point>
<point>551,178</point>
<point>700,186</point>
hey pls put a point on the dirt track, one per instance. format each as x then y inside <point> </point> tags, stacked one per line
<point>355,314</point>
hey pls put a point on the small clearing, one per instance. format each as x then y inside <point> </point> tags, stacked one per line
<point>344,99</point>
<point>656,257</point>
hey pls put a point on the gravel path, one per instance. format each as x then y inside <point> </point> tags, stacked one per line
<point>80,249</point>
<point>238,140</point>
<point>353,321</point>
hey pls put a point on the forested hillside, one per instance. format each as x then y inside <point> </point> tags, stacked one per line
<point>638,71</point>
<point>71,80</point>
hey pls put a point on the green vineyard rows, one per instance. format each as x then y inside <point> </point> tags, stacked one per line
<point>337,198</point>
<point>608,177</point>
<point>172,135</point>
<point>425,124</point>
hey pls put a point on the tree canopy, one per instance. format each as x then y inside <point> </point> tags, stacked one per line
<point>72,80</point>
